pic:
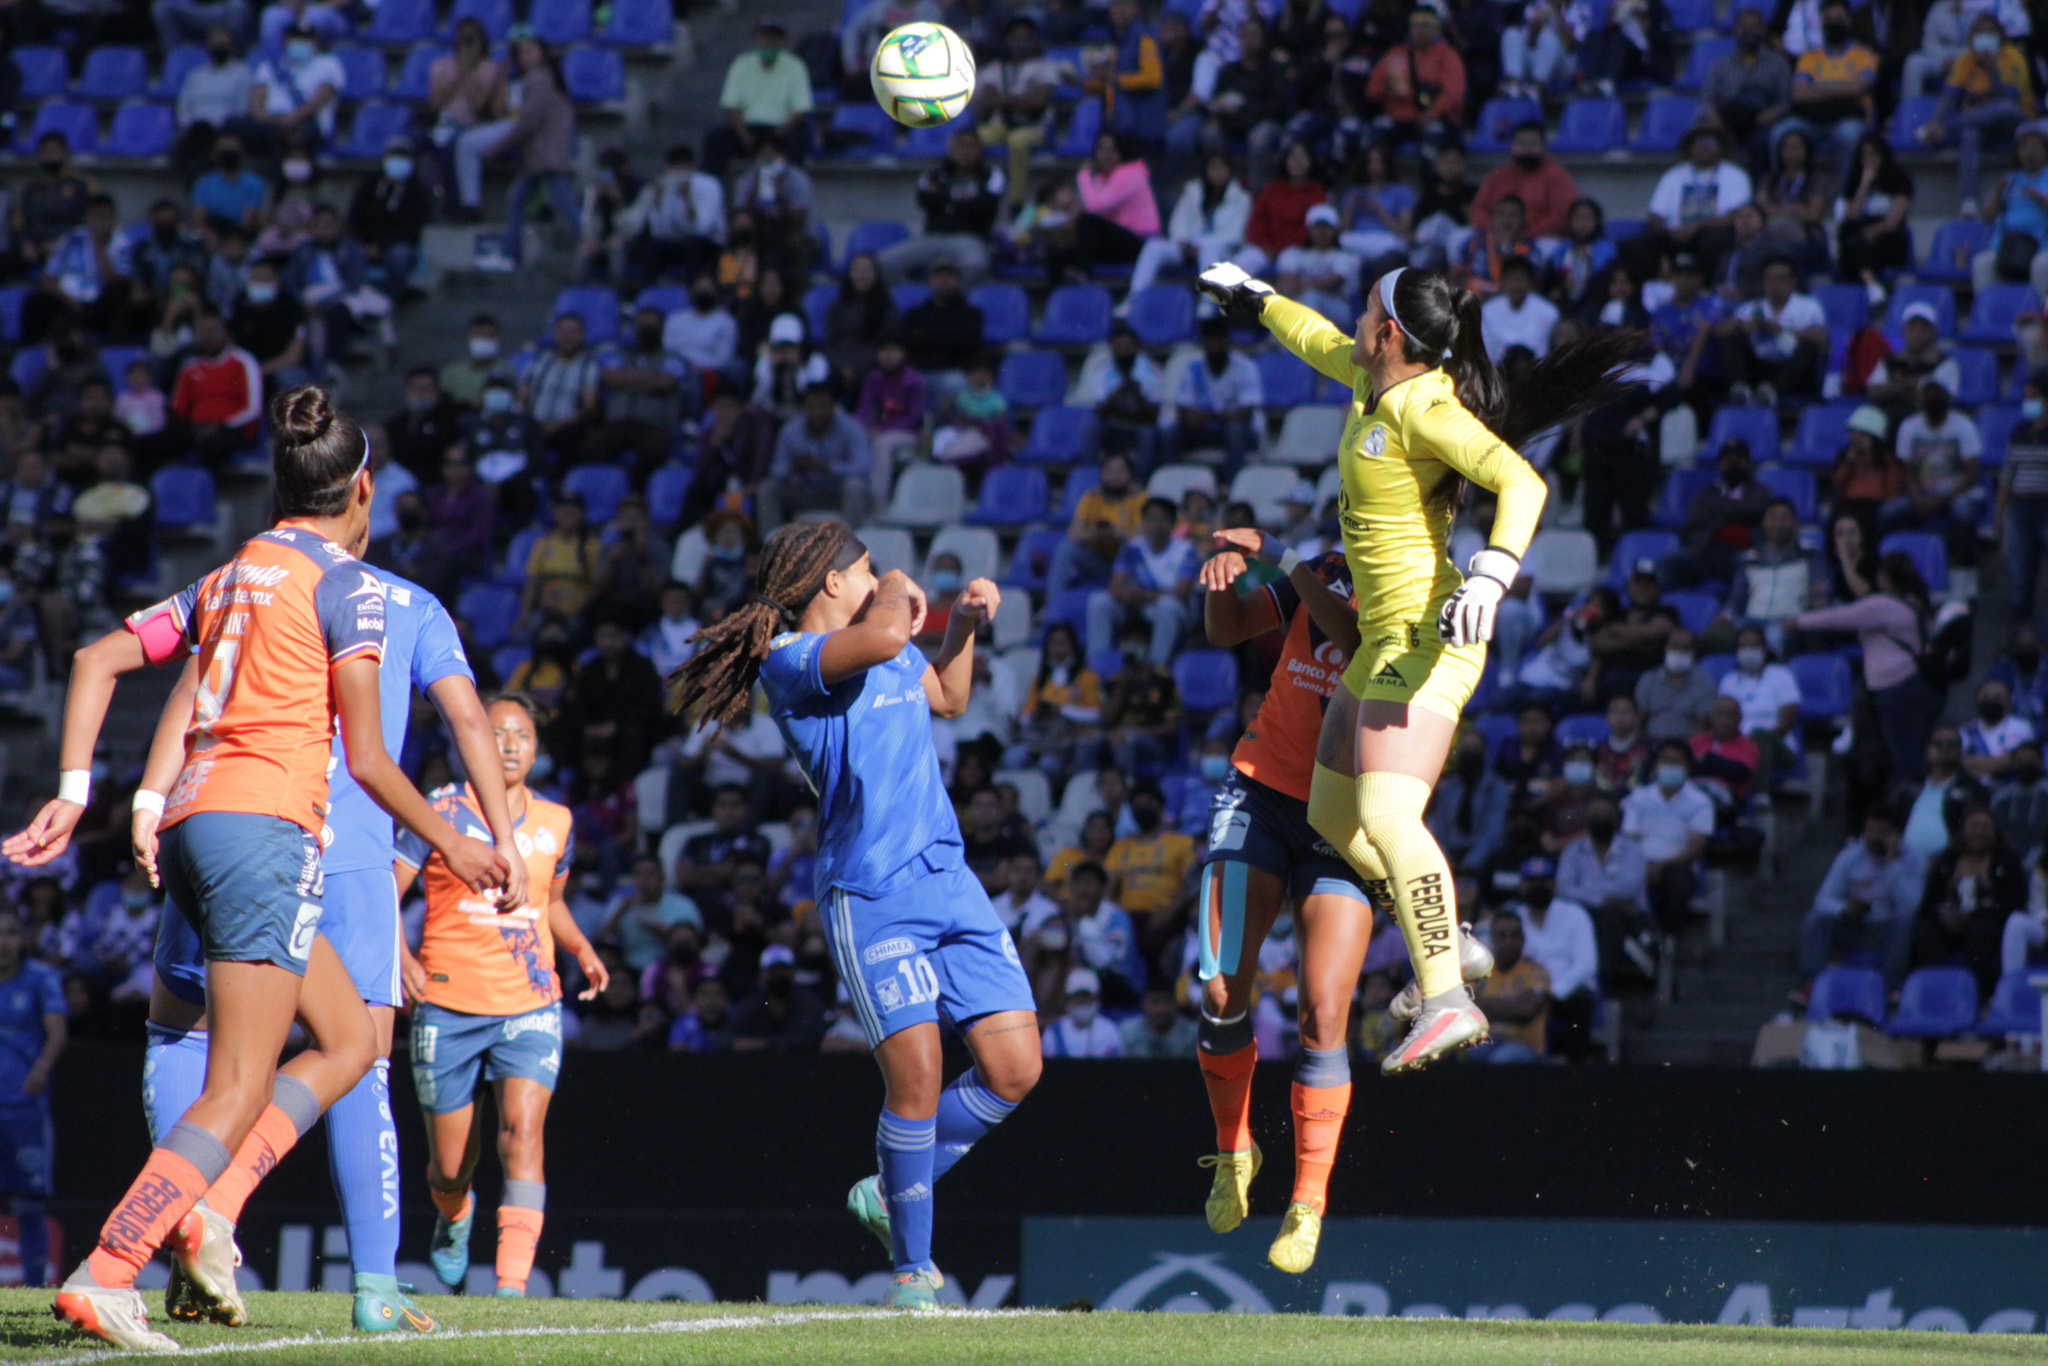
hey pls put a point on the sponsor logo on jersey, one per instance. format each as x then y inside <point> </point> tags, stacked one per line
<point>546,1022</point>
<point>304,927</point>
<point>888,948</point>
<point>1389,676</point>
<point>372,587</point>
<point>401,596</point>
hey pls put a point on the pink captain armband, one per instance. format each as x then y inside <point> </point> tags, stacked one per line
<point>157,628</point>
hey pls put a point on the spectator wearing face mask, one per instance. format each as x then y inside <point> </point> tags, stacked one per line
<point>411,549</point>
<point>1866,903</point>
<point>2020,803</point>
<point>1081,1032</point>
<point>463,379</point>
<point>1943,455</point>
<point>1161,1032</point>
<point>1721,521</point>
<point>1768,694</point>
<point>1469,808</point>
<point>1973,886</point>
<point>218,397</point>
<point>1621,761</point>
<point>2021,672</point>
<point>1605,871</point>
<point>460,507</point>
<point>780,1015</point>
<point>1674,699</point>
<point>1558,934</point>
<point>1990,739</point>
<point>1148,871</point>
<point>677,222</point>
<point>428,424</point>
<point>387,215</point>
<point>1672,820</point>
<point>704,334</point>
<point>292,98</point>
<point>648,395</point>
<point>212,95</point>
<point>270,324</point>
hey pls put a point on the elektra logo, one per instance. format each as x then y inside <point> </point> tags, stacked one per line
<point>1179,1283</point>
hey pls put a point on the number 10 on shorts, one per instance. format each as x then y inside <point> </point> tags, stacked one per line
<point>919,984</point>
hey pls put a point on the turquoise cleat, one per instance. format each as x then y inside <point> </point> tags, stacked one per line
<point>449,1252</point>
<point>866,1203</point>
<point>917,1291</point>
<point>382,1306</point>
<point>509,1292</point>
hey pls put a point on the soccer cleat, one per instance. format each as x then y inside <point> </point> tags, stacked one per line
<point>509,1292</point>
<point>113,1316</point>
<point>866,1203</point>
<point>204,1246</point>
<point>449,1252</point>
<point>1475,964</point>
<point>1436,1031</point>
<point>917,1291</point>
<point>1230,1192</point>
<point>178,1301</point>
<point>1294,1251</point>
<point>382,1306</point>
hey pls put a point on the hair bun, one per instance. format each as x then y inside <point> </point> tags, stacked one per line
<point>301,416</point>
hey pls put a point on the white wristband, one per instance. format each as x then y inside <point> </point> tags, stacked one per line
<point>1288,560</point>
<point>146,800</point>
<point>1499,565</point>
<point>74,785</point>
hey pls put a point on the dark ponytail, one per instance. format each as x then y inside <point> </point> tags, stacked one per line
<point>718,678</point>
<point>315,454</point>
<point>1440,325</point>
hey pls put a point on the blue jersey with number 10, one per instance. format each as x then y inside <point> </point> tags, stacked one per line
<point>421,648</point>
<point>865,744</point>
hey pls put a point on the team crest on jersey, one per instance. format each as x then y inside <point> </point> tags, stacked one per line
<point>1375,443</point>
<point>888,994</point>
<point>543,842</point>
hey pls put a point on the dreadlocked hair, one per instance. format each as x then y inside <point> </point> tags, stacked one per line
<point>718,678</point>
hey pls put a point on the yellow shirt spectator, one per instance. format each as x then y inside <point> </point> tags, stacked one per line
<point>1526,975</point>
<point>1854,63</point>
<point>1123,515</point>
<point>1149,873</point>
<point>1971,82</point>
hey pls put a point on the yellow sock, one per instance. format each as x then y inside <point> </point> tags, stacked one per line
<point>1333,814</point>
<point>1390,807</point>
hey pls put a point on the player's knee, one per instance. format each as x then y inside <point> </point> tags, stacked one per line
<point>1323,1023</point>
<point>1332,807</point>
<point>519,1136</point>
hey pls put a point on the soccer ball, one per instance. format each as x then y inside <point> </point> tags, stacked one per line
<point>923,75</point>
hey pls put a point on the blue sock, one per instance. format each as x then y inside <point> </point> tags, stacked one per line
<point>32,1232</point>
<point>173,1075</point>
<point>905,1148</point>
<point>967,1111</point>
<point>362,1153</point>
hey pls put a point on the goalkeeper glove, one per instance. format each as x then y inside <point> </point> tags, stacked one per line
<point>1242,298</point>
<point>1467,615</point>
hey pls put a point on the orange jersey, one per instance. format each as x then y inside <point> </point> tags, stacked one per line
<point>269,627</point>
<point>478,960</point>
<point>1280,748</point>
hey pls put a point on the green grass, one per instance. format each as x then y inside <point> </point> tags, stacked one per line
<point>313,1329</point>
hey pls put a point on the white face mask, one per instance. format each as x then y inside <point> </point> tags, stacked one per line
<point>1670,777</point>
<point>1985,44</point>
<point>1678,661</point>
<point>1082,1013</point>
<point>2032,408</point>
<point>1215,767</point>
<point>1750,658</point>
<point>483,348</point>
<point>1578,772</point>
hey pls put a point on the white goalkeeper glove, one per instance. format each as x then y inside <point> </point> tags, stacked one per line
<point>1467,615</point>
<point>1241,297</point>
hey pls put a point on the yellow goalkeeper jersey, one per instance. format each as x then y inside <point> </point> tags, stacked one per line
<point>1393,456</point>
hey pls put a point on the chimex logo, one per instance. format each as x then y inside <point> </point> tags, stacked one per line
<point>1189,1284</point>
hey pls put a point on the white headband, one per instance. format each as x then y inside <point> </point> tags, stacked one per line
<point>364,463</point>
<point>1387,282</point>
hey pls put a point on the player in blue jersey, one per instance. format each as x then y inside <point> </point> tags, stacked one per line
<point>911,931</point>
<point>361,922</point>
<point>32,1034</point>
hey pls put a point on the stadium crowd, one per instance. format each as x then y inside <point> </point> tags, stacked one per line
<point>1764,559</point>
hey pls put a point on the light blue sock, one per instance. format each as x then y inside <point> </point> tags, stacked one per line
<point>173,1075</point>
<point>967,1111</point>
<point>905,1149</point>
<point>362,1153</point>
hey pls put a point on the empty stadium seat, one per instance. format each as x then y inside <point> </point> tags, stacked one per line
<point>1173,481</point>
<point>666,489</point>
<point>413,87</point>
<point>1015,621</point>
<point>1078,482</point>
<point>1847,306</point>
<point>1497,119</point>
<point>1827,686</point>
<point>45,72</point>
<point>1995,423</point>
<point>817,305</point>
<point>595,304</point>
<point>1005,313</point>
<point>1011,496</point>
<point>1207,679</point>
<point>490,609</point>
<point>1286,380</point>
<point>861,130</point>
<point>1589,127</point>
<point>184,498</point>
<point>1995,307</point>
<point>1978,379</point>
<point>1696,611</point>
<point>1266,488</point>
<point>1822,432</point>
<point>1706,50</point>
<point>519,550</point>
<point>1638,545</point>
<point>1851,993</point>
<point>1936,1003</point>
<point>10,311</point>
<point>400,22</point>
<point>1032,559</point>
<point>1062,435</point>
<point>375,124</point>
<point>2015,1007</point>
<point>975,546</point>
<point>663,299</point>
<point>494,15</point>
<point>1309,436</point>
<point>1584,728</point>
<point>1075,315</point>
<point>639,23</point>
<point>909,295</point>
<point>142,130</point>
<point>115,72</point>
<point>876,235</point>
<point>1795,485</point>
<point>362,71</point>
<point>1939,297</point>
<point>1927,551</point>
<point>927,496</point>
<point>889,548</point>
<point>1033,379</point>
<point>1955,243</point>
<point>1912,112</point>
<point>1162,315</point>
<point>1692,16</point>
<point>560,21</point>
<point>179,63</point>
<point>1666,118</point>
<point>1756,425</point>
<point>595,75</point>
<point>1068,608</point>
<point>1681,486</point>
<point>930,143</point>
<point>1084,126</point>
<point>1564,561</point>
<point>602,486</point>
<point>77,122</point>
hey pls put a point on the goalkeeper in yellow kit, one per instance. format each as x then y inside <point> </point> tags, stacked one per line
<point>1428,413</point>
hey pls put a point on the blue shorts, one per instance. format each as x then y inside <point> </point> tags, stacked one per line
<point>361,922</point>
<point>1255,825</point>
<point>249,884</point>
<point>934,950</point>
<point>25,1145</point>
<point>450,1050</point>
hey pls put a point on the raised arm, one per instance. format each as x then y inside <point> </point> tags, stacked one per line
<point>455,697</point>
<point>892,620</point>
<point>949,678</point>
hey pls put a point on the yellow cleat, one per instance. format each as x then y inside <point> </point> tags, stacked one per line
<point>1230,1193</point>
<point>1294,1251</point>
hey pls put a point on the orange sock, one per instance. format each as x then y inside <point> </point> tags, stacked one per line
<point>518,1235</point>
<point>1318,1122</point>
<point>1228,1077</point>
<point>452,1204</point>
<point>274,1136</point>
<point>165,1193</point>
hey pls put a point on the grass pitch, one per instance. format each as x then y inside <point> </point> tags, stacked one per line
<point>291,1329</point>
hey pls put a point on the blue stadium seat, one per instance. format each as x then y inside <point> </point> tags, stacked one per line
<point>1847,307</point>
<point>1717,666</point>
<point>1681,486</point>
<point>1583,728</point>
<point>1978,379</point>
<point>1032,559</point>
<point>861,130</point>
<point>909,295</point>
<point>1955,243</point>
<point>142,130</point>
<point>1497,119</point>
<point>1940,297</point>
<point>1992,314</point>
<point>179,63</point>
<point>1706,50</point>
<point>1075,315</point>
<point>1912,111</point>
<point>490,609</point>
<point>1497,729</point>
<point>1069,607</point>
<point>1936,1003</point>
<point>1162,315</point>
<point>1927,551</point>
<point>10,312</point>
<point>640,23</point>
<point>1696,611</point>
<point>602,486</point>
<point>395,22</point>
<point>1083,127</point>
<point>1207,679</point>
<point>1639,545</point>
<point>560,21</point>
<point>1005,313</point>
<point>494,15</point>
<point>2015,1007</point>
<point>79,124</point>
<point>1756,425</point>
<point>507,661</point>
<point>1288,381</point>
<point>595,75</point>
<point>1622,229</point>
<point>45,72</point>
<point>1011,496</point>
<point>1107,662</point>
<point>595,304</point>
<point>1589,127</point>
<point>518,551</point>
<point>412,84</point>
<point>362,71</point>
<point>1994,424</point>
<point>28,365</point>
<point>1033,379</point>
<point>1062,436</point>
<point>1692,16</point>
<point>1822,432</point>
<point>1796,485</point>
<point>666,489</point>
<point>876,235</point>
<point>1827,686</point>
<point>375,124</point>
<point>1665,120</point>
<point>663,299</point>
<point>818,307</point>
<point>1079,480</point>
<point>930,143</point>
<point>184,497</point>
<point>116,72</point>
<point>1853,993</point>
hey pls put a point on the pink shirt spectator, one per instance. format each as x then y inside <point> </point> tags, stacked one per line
<point>1886,628</point>
<point>1124,197</point>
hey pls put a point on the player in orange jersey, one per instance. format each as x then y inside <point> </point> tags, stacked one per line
<point>487,1003</point>
<point>289,635</point>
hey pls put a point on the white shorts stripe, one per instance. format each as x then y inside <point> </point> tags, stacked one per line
<point>847,952</point>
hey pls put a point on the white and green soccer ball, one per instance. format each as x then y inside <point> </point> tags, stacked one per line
<point>923,75</point>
